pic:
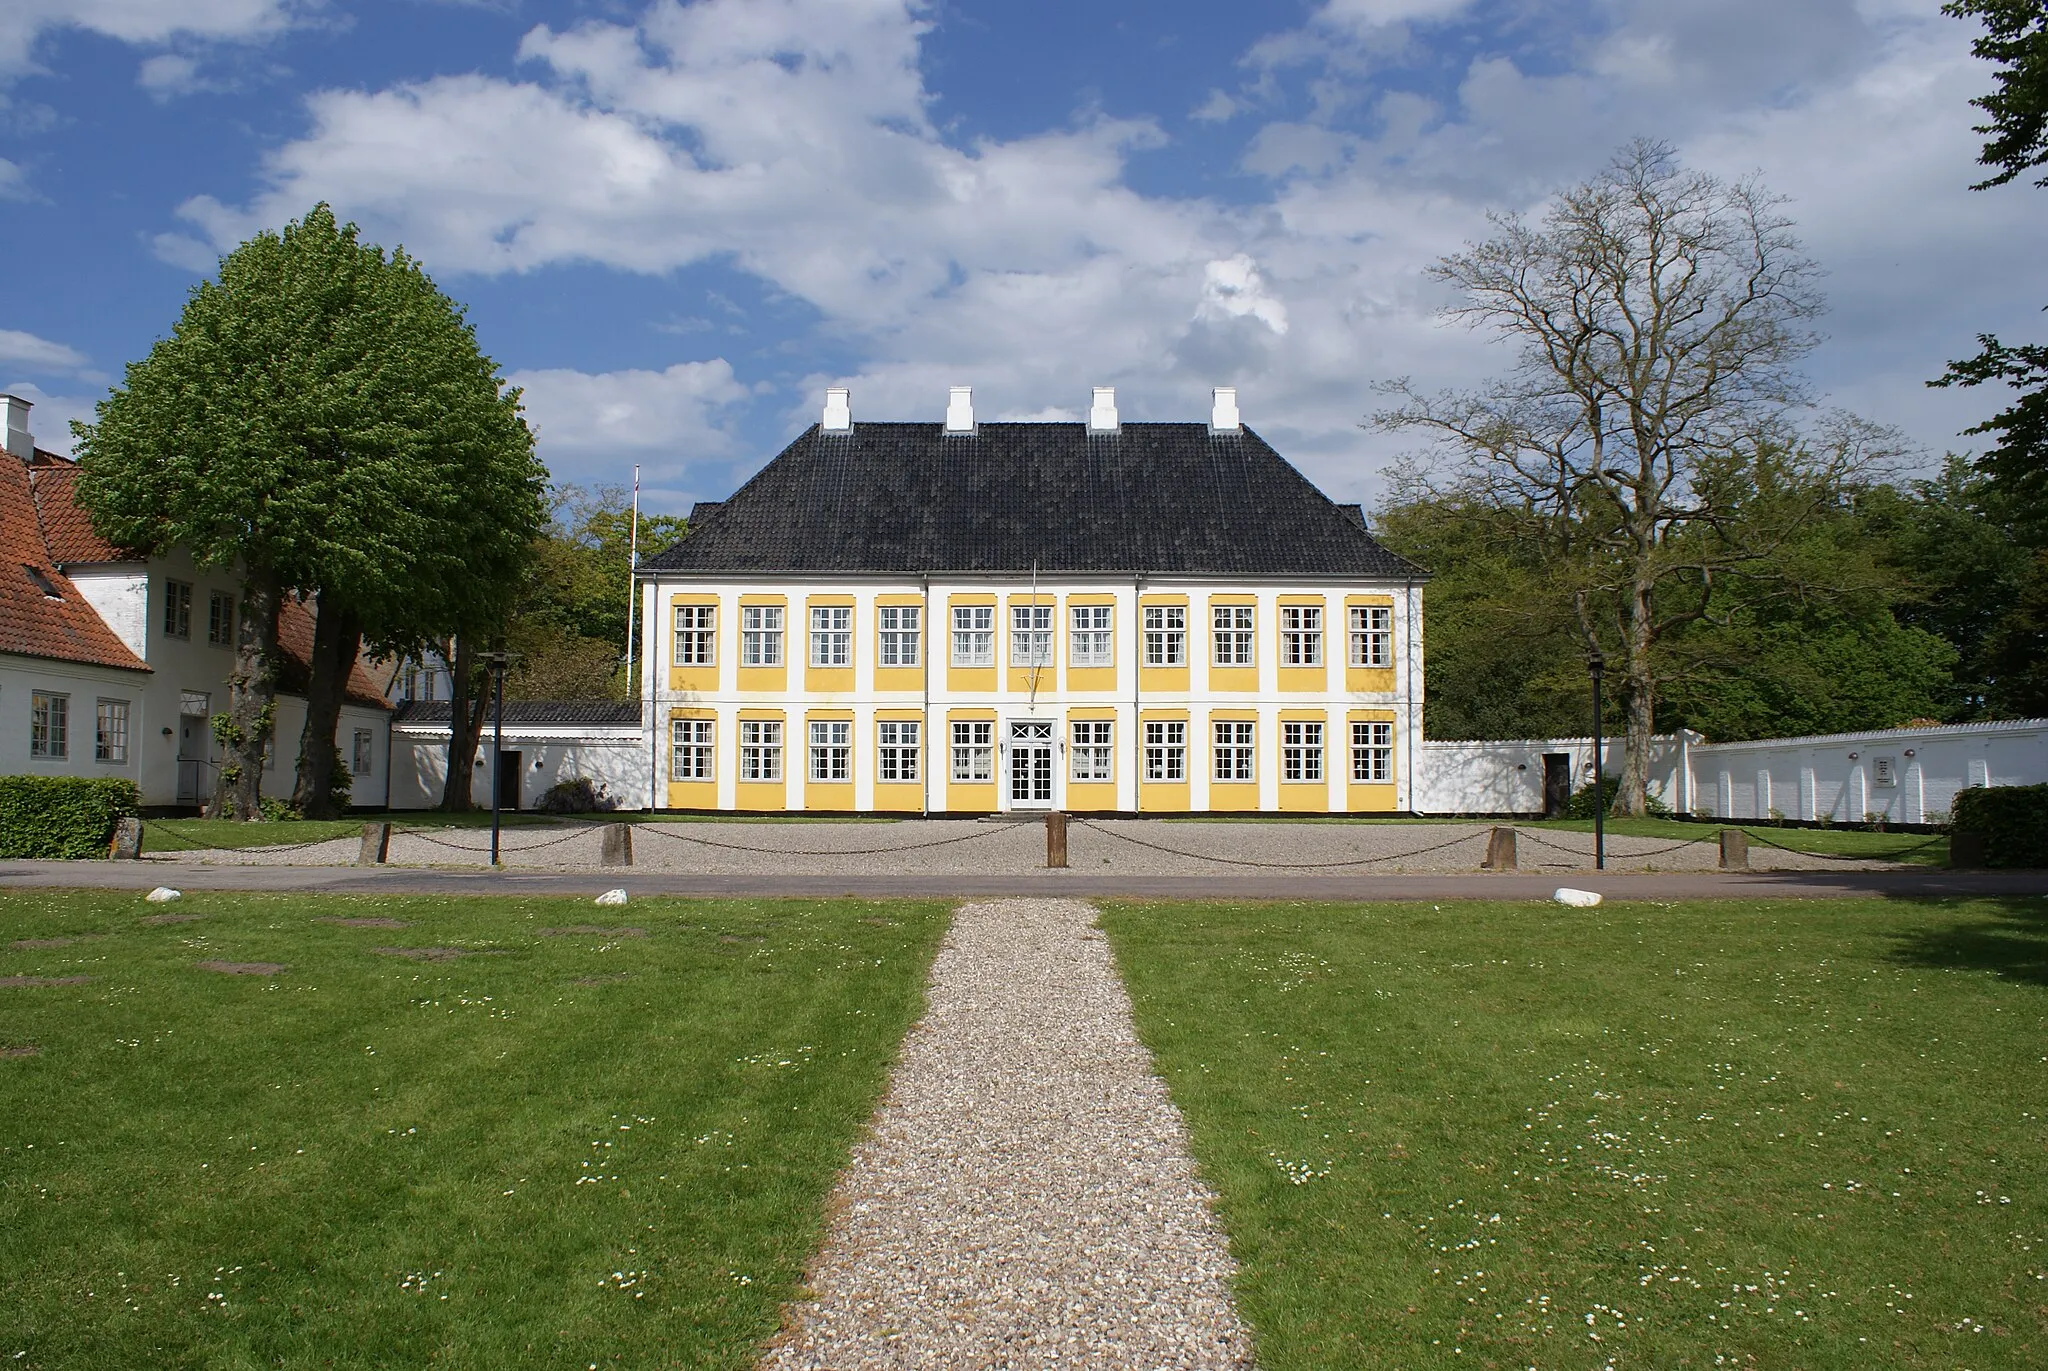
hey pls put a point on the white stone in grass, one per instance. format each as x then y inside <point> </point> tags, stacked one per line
<point>612,897</point>
<point>163,894</point>
<point>1578,899</point>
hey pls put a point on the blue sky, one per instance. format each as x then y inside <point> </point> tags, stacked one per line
<point>674,225</point>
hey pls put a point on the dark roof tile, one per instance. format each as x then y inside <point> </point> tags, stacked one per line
<point>529,712</point>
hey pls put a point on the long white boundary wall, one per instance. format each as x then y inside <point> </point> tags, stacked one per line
<point>612,756</point>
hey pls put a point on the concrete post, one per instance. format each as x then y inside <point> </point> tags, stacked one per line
<point>1056,839</point>
<point>127,841</point>
<point>376,845</point>
<point>1734,850</point>
<point>1500,850</point>
<point>618,845</point>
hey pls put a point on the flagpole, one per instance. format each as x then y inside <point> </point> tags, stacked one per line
<point>632,590</point>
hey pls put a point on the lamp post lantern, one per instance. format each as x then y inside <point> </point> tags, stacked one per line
<point>497,662</point>
<point>1596,665</point>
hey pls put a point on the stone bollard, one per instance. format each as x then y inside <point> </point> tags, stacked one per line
<point>1056,839</point>
<point>618,845</point>
<point>1967,849</point>
<point>1500,850</point>
<point>376,845</point>
<point>1734,850</point>
<point>126,845</point>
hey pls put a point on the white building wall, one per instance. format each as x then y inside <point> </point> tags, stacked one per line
<point>1506,776</point>
<point>611,756</point>
<point>1837,776</point>
<point>83,687</point>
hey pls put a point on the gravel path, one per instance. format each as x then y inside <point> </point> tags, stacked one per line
<point>1026,1198</point>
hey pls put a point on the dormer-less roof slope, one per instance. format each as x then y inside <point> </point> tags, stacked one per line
<point>66,530</point>
<point>41,612</point>
<point>1162,498</point>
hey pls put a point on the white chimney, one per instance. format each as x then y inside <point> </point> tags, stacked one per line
<point>1223,410</point>
<point>1102,411</point>
<point>838,411</point>
<point>960,410</point>
<point>19,441</point>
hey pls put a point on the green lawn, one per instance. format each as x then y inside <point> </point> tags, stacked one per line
<point>1797,1134</point>
<point>186,835</point>
<point>553,1151</point>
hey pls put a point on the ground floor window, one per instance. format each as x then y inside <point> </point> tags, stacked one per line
<point>1166,751</point>
<point>1234,750</point>
<point>1301,752</point>
<point>110,732</point>
<point>896,748</point>
<point>1372,752</point>
<point>364,752</point>
<point>832,750</point>
<point>974,751</point>
<point>690,754</point>
<point>760,749</point>
<point>49,727</point>
<point>1091,750</point>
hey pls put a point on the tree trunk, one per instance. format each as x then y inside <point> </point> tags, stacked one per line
<point>1639,706</point>
<point>465,725</point>
<point>244,729</point>
<point>337,639</point>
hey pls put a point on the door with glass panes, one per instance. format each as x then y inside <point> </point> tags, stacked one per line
<point>1031,764</point>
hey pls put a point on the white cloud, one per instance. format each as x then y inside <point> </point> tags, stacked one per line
<point>140,22</point>
<point>13,181</point>
<point>586,423</point>
<point>50,415</point>
<point>1233,289</point>
<point>38,354</point>
<point>168,74</point>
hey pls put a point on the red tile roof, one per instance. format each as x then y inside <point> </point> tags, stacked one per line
<point>295,640</point>
<point>66,529</point>
<point>41,612</point>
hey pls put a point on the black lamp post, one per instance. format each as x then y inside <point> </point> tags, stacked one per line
<point>497,662</point>
<point>1596,664</point>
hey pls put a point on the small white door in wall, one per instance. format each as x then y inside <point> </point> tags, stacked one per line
<point>195,747</point>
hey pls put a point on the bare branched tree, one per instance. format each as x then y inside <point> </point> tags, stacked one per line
<point>1661,314</point>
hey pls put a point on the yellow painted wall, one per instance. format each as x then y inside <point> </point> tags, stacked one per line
<point>1370,797</point>
<point>768,679</point>
<point>700,679</point>
<point>1167,680</point>
<point>904,678</point>
<point>1374,680</point>
<point>764,794</point>
<point>969,679</point>
<point>1019,680</point>
<point>1304,797</point>
<point>830,680</point>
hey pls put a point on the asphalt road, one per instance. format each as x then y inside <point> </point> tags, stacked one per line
<point>389,880</point>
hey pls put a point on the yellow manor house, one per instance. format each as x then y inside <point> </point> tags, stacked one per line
<point>961,618</point>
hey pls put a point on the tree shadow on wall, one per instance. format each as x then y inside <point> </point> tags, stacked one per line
<point>2006,936</point>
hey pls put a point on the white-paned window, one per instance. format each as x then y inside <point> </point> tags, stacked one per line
<point>832,750</point>
<point>1301,752</point>
<point>974,751</point>
<point>690,749</point>
<point>1093,640</point>
<point>1372,637</point>
<point>1301,635</point>
<point>974,635</point>
<point>110,732</point>
<point>1031,635</point>
<point>220,619</point>
<point>761,635</point>
<point>1372,752</point>
<point>760,749</point>
<point>696,635</point>
<point>832,635</point>
<point>1091,751</point>
<point>1166,635</point>
<point>361,752</point>
<point>1234,644</point>
<point>178,609</point>
<point>1166,751</point>
<point>1234,757</point>
<point>896,749</point>
<point>899,628</point>
<point>49,725</point>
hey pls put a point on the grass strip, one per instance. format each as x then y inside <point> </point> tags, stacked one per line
<point>471,1133</point>
<point>1656,1135</point>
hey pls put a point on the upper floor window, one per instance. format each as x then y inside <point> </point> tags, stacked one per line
<point>974,635</point>
<point>1166,751</point>
<point>1372,752</point>
<point>690,753</point>
<point>832,750</point>
<point>1030,635</point>
<point>178,609</point>
<point>1372,638</point>
<point>832,635</point>
<point>1234,750</point>
<point>900,625</point>
<point>1166,635</point>
<point>220,619</point>
<point>1091,752</point>
<point>1301,635</point>
<point>896,750</point>
<point>696,635</point>
<point>110,732</point>
<point>1301,752</point>
<point>761,636</point>
<point>761,749</point>
<point>1092,637</point>
<point>1234,635</point>
<point>49,725</point>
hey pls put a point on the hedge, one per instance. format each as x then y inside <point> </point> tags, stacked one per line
<point>2011,819</point>
<point>62,816</point>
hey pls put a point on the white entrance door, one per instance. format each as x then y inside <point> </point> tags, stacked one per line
<point>1031,764</point>
<point>195,748</point>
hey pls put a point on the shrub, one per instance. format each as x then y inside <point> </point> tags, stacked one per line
<point>63,816</point>
<point>2011,819</point>
<point>575,795</point>
<point>1581,803</point>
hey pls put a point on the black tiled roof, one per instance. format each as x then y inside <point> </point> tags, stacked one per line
<point>528,712</point>
<point>913,498</point>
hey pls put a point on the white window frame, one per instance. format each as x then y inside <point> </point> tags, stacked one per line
<point>831,751</point>
<point>1372,751</point>
<point>1092,640</point>
<point>110,732</point>
<point>761,635</point>
<point>1372,635</point>
<point>1092,750</point>
<point>1031,635</point>
<point>220,618</point>
<point>1301,635</point>
<point>897,751</point>
<point>178,610</point>
<point>49,726</point>
<point>1166,750</point>
<point>974,751</point>
<point>1166,635</point>
<point>362,752</point>
<point>832,635</point>
<point>901,632</point>
<point>1234,631</point>
<point>1301,751</point>
<point>760,750</point>
<point>696,635</point>
<point>692,749</point>
<point>1236,750</point>
<point>974,635</point>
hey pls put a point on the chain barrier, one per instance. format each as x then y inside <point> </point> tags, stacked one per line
<point>1278,866</point>
<point>193,844</point>
<point>1626,856</point>
<point>665,831</point>
<point>1900,855</point>
<point>421,834</point>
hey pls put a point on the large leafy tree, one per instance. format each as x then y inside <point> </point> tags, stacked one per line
<point>321,418</point>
